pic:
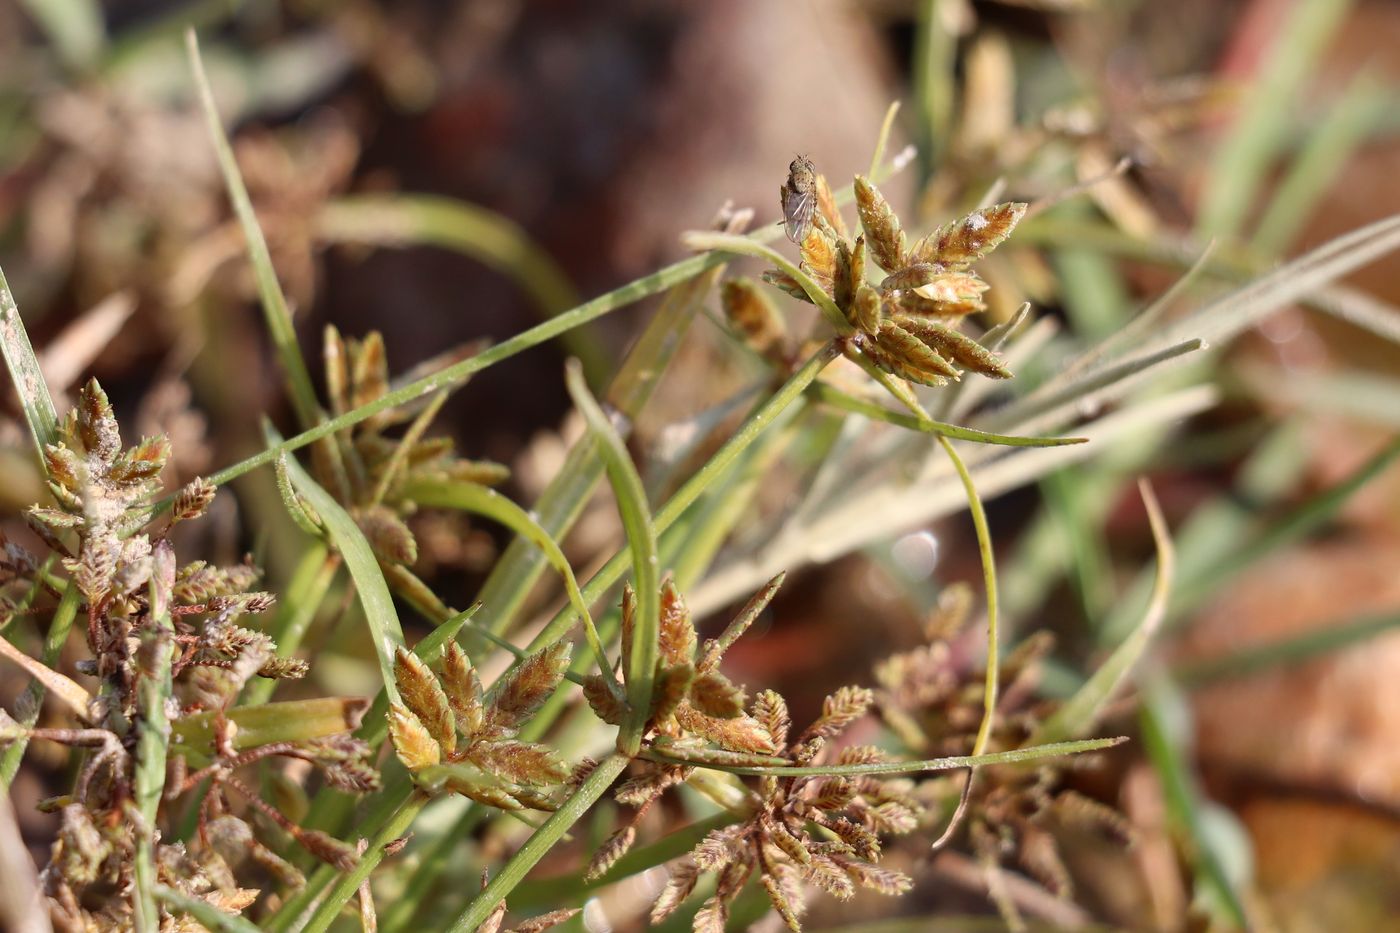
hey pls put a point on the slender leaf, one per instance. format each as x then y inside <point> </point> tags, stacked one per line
<point>274,303</point>
<point>641,541</point>
<point>25,373</point>
<point>1285,652</point>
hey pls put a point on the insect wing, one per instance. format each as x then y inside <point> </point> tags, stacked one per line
<point>798,207</point>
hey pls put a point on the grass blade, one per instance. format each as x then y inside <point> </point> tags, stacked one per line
<point>1080,712</point>
<point>153,692</point>
<point>847,402</point>
<point>380,614</point>
<point>1285,652</point>
<point>747,246</point>
<point>28,378</point>
<point>274,303</point>
<point>348,884</point>
<point>1014,756</point>
<point>641,541</point>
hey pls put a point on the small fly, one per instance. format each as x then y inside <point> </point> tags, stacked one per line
<point>799,196</point>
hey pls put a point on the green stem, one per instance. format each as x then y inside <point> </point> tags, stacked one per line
<point>349,883</point>
<point>540,843</point>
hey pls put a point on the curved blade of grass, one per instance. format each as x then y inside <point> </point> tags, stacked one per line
<point>28,378</point>
<point>877,158</point>
<point>934,61</point>
<point>478,499</point>
<point>747,246</point>
<point>75,28</point>
<point>540,843</point>
<point>1242,162</point>
<point>380,614</point>
<point>208,916</point>
<point>989,581</point>
<point>847,402</point>
<point>641,541</point>
<point>1080,712</point>
<point>27,708</point>
<point>274,303</point>
<point>1014,756</point>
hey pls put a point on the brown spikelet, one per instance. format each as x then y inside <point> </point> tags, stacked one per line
<point>1040,855</point>
<point>604,703</point>
<point>676,638</point>
<point>832,793</point>
<point>912,276</point>
<point>819,259</point>
<point>874,878</point>
<point>649,782</point>
<point>545,921</point>
<point>462,688</point>
<point>773,887</point>
<point>192,500</point>
<point>883,234</point>
<point>714,695</point>
<point>328,849</point>
<point>866,311</point>
<point>862,842</point>
<point>413,743</point>
<point>1074,809</point>
<point>520,693</point>
<point>740,734</point>
<point>423,695</point>
<point>791,845</point>
<point>899,342</point>
<point>956,346</point>
<point>719,847</point>
<point>840,709</point>
<point>387,535</point>
<point>337,365</point>
<point>831,877</point>
<point>712,917</point>
<point>370,376</point>
<point>953,289</point>
<point>960,243</point>
<point>827,209</point>
<point>616,846</point>
<point>677,888</point>
<point>143,461</point>
<point>894,365</point>
<point>771,711</point>
<point>753,315</point>
<point>862,755</point>
<point>520,762</point>
<point>787,283</point>
<point>853,264</point>
<point>950,615</point>
<point>912,303</point>
<point>95,424</point>
<point>673,685</point>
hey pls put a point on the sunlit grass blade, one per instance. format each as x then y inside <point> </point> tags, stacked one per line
<point>540,843</point>
<point>934,64</point>
<point>207,915</point>
<point>641,541</point>
<point>480,500</point>
<point>28,378</point>
<point>1242,161</point>
<point>847,402</point>
<point>274,304</point>
<point>1080,713</point>
<point>877,158</point>
<point>1014,756</point>
<point>380,615</point>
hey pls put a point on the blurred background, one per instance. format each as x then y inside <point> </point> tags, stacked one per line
<point>449,172</point>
